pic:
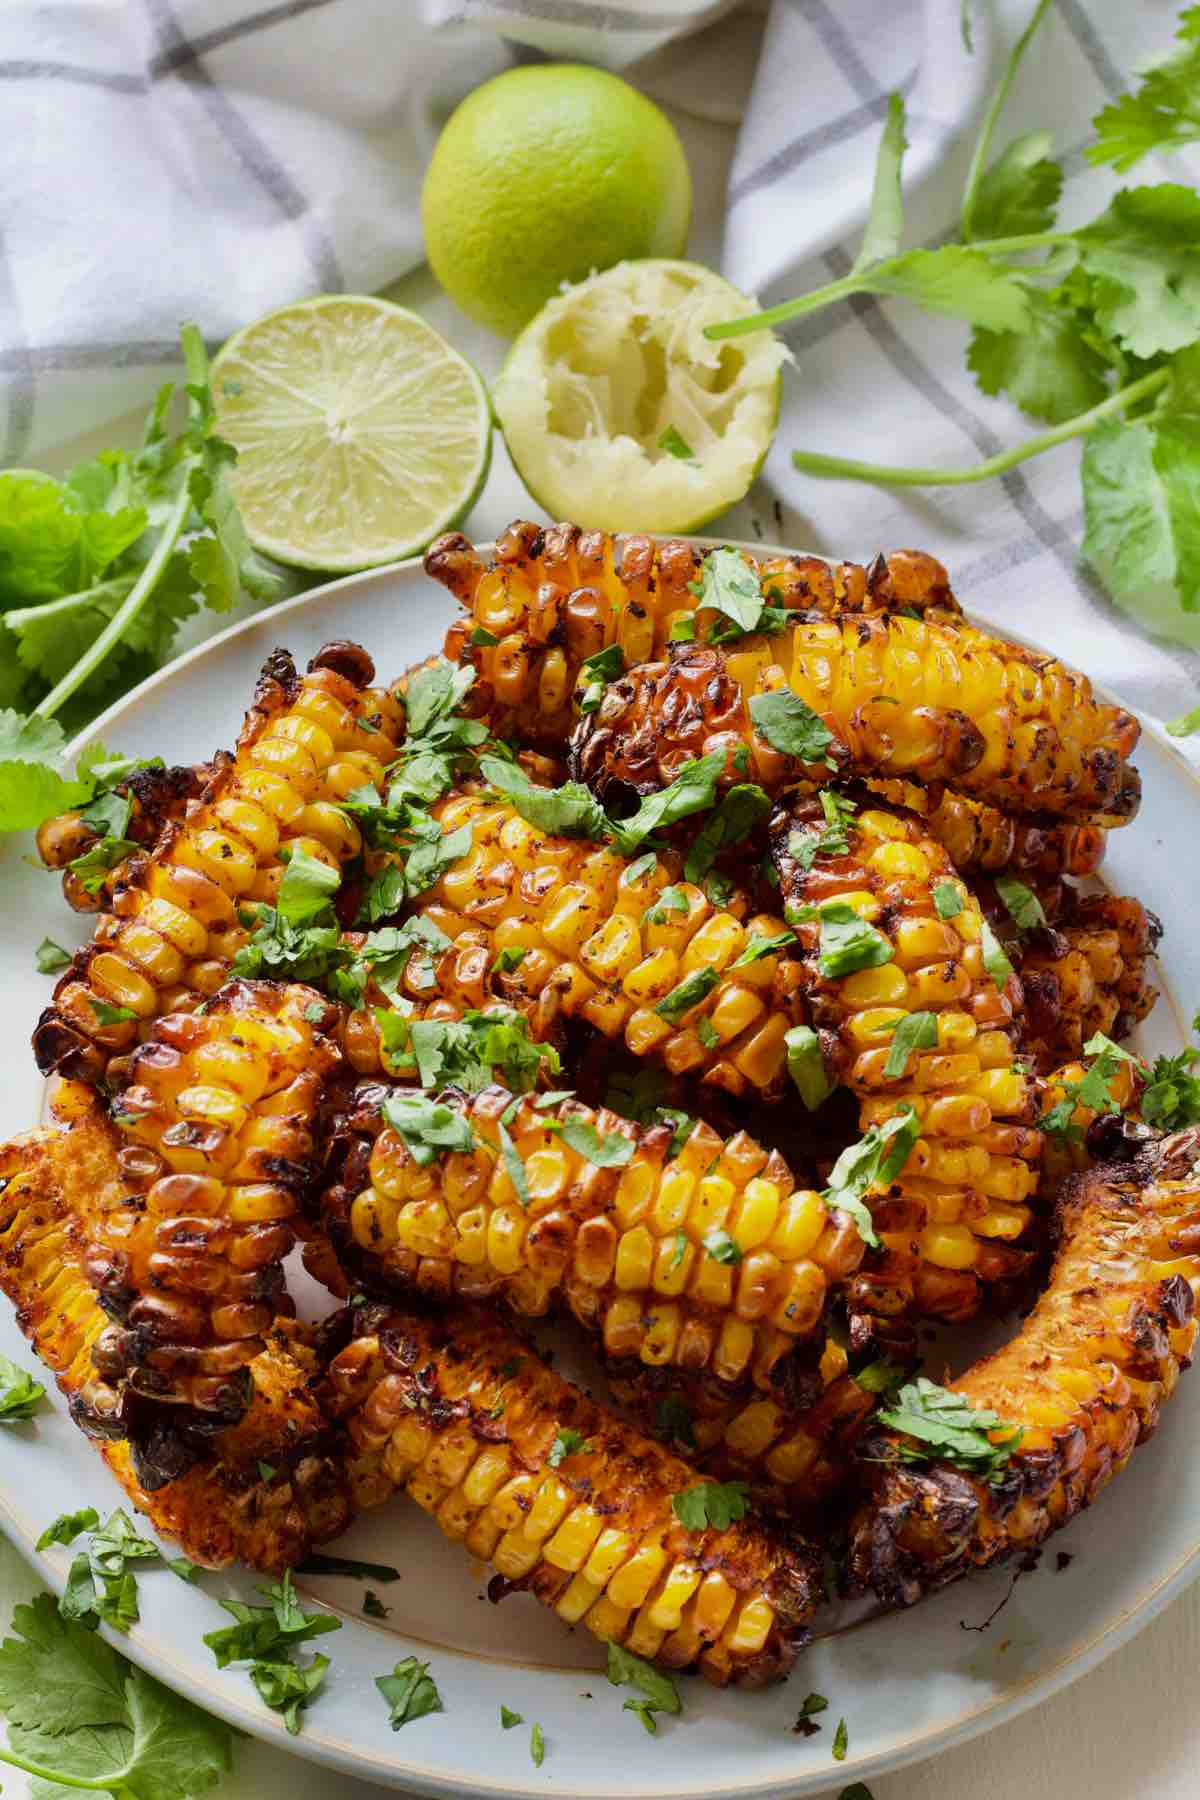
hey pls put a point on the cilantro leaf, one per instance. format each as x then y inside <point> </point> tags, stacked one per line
<point>1141,498</point>
<point>50,957</point>
<point>427,1126</point>
<point>885,221</point>
<point>537,1746</point>
<point>686,994</point>
<point>627,1670</point>
<point>288,1687</point>
<point>481,1047</point>
<point>947,899</point>
<point>729,585</point>
<point>433,694</point>
<point>915,1031</point>
<point>1165,112</point>
<point>740,809</point>
<point>721,1247</point>
<point>606,1149</point>
<point>32,786</point>
<point>67,1527</point>
<point>806,843</point>
<point>567,1442</point>
<point>712,1504</point>
<point>306,889</point>
<point>20,1394</point>
<point>849,942</point>
<point>508,1718</point>
<point>995,957</point>
<point>1171,1098</point>
<point>1052,371</point>
<point>954,280</point>
<point>671,900</point>
<point>841,1742</point>
<point>881,1377</point>
<point>946,1425</point>
<point>1021,903</point>
<point>874,1162</point>
<point>790,726</point>
<point>1140,258</point>
<point>757,947</point>
<point>411,1693</point>
<point>567,811</point>
<point>514,1168</point>
<point>693,790</point>
<point>806,1066</point>
<point>1021,190</point>
<point>82,1713</point>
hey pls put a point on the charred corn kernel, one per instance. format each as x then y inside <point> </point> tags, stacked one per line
<point>950,1246</point>
<point>660,1343</point>
<point>270,799</point>
<point>789,1462</point>
<point>634,1253</point>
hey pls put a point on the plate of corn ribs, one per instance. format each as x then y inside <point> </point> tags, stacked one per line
<point>657,1053</point>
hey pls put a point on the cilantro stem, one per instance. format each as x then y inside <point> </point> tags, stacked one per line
<point>138,594</point>
<point>866,281</point>
<point>991,119</point>
<point>111,1783</point>
<point>845,468</point>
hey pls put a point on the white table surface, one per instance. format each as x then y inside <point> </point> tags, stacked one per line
<point>1131,1727</point>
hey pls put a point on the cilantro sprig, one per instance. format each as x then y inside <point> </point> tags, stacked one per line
<point>95,580</point>
<point>1093,331</point>
<point>80,1716</point>
<point>946,1425</point>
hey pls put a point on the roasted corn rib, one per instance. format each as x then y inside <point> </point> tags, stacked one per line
<point>888,930</point>
<point>596,939</point>
<point>1084,1380</point>
<point>173,927</point>
<point>553,596</point>
<point>707,1259</point>
<point>1086,973</point>
<point>983,838</point>
<point>220,1507</point>
<point>157,797</point>
<point>217,1122</point>
<point>925,699</point>
<point>465,1418</point>
<point>793,1444</point>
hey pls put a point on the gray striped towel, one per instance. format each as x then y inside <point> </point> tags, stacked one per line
<point>164,159</point>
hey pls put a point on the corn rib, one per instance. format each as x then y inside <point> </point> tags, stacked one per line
<point>708,1259</point>
<point>552,597</point>
<point>467,1421</point>
<point>173,928</point>
<point>1084,1379</point>
<point>925,699</point>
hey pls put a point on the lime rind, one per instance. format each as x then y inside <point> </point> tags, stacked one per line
<point>611,367</point>
<point>361,434</point>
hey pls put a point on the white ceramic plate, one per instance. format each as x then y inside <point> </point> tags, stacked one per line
<point>907,1684</point>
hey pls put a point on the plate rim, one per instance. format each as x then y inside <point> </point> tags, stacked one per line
<point>325,1746</point>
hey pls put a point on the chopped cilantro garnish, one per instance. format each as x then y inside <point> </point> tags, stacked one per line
<point>50,957</point>
<point>410,1691</point>
<point>714,1504</point>
<point>874,1162</point>
<point>606,1149</point>
<point>946,1425</point>
<point>791,727</point>
<point>686,994</point>
<point>947,899</point>
<point>674,445</point>
<point>995,959</point>
<point>508,1718</point>
<point>806,1066</point>
<point>916,1031</point>
<point>567,1442</point>
<point>1021,903</point>
<point>721,1247</point>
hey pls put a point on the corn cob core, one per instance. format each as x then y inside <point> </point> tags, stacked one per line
<point>951,1219</point>
<point>553,597</point>
<point>1085,1378</point>
<point>218,1128</point>
<point>1087,973</point>
<point>710,1259</point>
<point>465,1418</point>
<point>174,927</point>
<point>922,699</point>
<point>598,943</point>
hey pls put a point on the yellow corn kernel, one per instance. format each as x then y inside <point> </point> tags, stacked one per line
<point>802,1301</point>
<point>886,986</point>
<point>875,1024</point>
<point>711,1207</point>
<point>673,1259</point>
<point>635,1192</point>
<point>515,1554</point>
<point>608,1622</point>
<point>553,1499</point>
<point>666,1609</point>
<point>749,1628</point>
<point>715,945</point>
<point>486,1475</point>
<point>756,1216</point>
<point>645,1031</point>
<point>735,1347</point>
<point>791,1460</point>
<point>571,920</point>
<point>950,1246</point>
<point>714,1602</point>
<point>505,1239</point>
<point>576,1599</point>
<point>735,1010</point>
<point>631,1583</point>
<point>115,981</point>
<point>635,1254</point>
<point>713,1283</point>
<point>652,978</point>
<point>572,1543</point>
<point>754,1429</point>
<point>610,1550</point>
<point>663,1324</point>
<point>676,1190</point>
<point>612,951</point>
<point>508,1506</point>
<point>802,1219</point>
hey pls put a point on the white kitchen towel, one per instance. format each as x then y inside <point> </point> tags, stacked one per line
<point>166,159</point>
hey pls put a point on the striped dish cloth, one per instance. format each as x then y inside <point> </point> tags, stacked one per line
<point>164,159</point>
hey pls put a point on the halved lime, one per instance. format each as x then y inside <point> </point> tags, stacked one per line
<point>622,416</point>
<point>360,433</point>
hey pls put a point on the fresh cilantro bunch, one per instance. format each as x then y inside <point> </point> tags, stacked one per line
<point>97,573</point>
<point>80,1716</point>
<point>1092,332</point>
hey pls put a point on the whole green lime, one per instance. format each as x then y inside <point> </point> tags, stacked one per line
<point>543,175</point>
